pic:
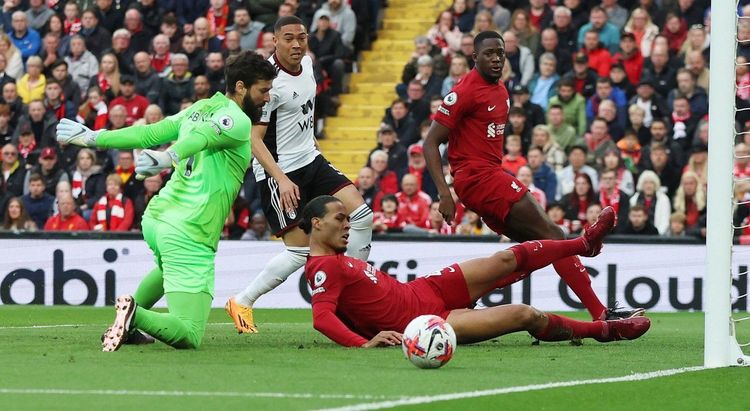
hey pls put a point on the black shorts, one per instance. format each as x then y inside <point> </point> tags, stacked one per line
<point>315,179</point>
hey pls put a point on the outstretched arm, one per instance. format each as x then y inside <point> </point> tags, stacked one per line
<point>140,136</point>
<point>326,321</point>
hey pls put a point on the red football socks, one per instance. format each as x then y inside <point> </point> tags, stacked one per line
<point>572,271</point>
<point>561,328</point>
<point>533,255</point>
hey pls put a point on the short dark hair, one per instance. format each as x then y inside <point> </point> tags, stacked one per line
<point>638,207</point>
<point>604,80</point>
<point>532,148</point>
<point>389,197</point>
<point>486,35</point>
<point>315,209</point>
<point>285,21</point>
<point>567,82</point>
<point>35,177</point>
<point>247,67</point>
<point>551,106</point>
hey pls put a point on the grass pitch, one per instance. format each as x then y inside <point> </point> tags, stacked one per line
<point>290,366</point>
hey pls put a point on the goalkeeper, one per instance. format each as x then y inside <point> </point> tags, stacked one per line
<point>183,222</point>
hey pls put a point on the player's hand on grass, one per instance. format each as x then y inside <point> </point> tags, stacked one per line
<point>384,339</point>
<point>71,132</point>
<point>151,162</point>
<point>447,208</point>
<point>289,193</point>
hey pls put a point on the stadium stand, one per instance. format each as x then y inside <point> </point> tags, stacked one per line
<point>632,98</point>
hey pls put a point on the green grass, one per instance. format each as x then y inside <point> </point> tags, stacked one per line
<point>288,357</point>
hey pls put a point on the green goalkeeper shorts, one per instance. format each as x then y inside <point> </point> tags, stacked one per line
<point>187,266</point>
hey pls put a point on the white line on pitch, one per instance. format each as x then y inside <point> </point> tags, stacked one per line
<point>508,390</point>
<point>63,391</point>
<point>29,327</point>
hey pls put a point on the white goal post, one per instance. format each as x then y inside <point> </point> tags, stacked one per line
<point>721,346</point>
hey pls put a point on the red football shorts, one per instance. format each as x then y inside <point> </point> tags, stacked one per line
<point>489,193</point>
<point>441,293</point>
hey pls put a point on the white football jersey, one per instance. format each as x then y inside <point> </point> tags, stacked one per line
<point>289,116</point>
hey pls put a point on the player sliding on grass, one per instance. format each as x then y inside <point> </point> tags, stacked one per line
<point>183,222</point>
<point>356,305</point>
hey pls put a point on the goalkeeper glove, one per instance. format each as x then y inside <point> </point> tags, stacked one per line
<point>151,162</point>
<point>71,132</point>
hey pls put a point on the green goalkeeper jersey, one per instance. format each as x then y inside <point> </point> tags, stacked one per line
<point>213,144</point>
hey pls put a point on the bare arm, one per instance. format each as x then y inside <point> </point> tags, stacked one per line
<point>287,189</point>
<point>438,134</point>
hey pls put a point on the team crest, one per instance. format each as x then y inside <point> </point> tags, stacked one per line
<point>450,99</point>
<point>320,278</point>
<point>291,214</point>
<point>226,122</point>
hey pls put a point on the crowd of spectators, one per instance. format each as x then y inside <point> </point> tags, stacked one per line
<point>114,63</point>
<point>609,108</point>
<point>609,105</point>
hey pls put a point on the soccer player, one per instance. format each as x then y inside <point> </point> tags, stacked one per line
<point>356,305</point>
<point>182,224</point>
<point>290,170</point>
<point>472,120</point>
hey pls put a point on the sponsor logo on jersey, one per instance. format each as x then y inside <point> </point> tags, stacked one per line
<point>370,273</point>
<point>291,214</point>
<point>450,99</point>
<point>226,122</point>
<point>294,95</point>
<point>515,186</point>
<point>318,290</point>
<point>495,130</point>
<point>320,278</point>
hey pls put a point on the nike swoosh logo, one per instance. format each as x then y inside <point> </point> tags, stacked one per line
<point>451,269</point>
<point>153,160</point>
<point>490,108</point>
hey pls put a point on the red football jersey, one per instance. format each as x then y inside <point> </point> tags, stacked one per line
<point>476,113</point>
<point>373,301</point>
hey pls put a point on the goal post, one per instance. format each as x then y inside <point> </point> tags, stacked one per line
<point>721,348</point>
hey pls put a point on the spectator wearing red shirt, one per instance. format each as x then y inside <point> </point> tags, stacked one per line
<point>388,219</point>
<point>67,219</point>
<point>742,160</point>
<point>160,60</point>
<point>600,60</point>
<point>413,203</point>
<point>514,159</point>
<point>134,104</point>
<point>436,223</point>
<point>418,167</point>
<point>630,57</point>
<point>385,179</point>
<point>366,185</point>
<point>113,211</point>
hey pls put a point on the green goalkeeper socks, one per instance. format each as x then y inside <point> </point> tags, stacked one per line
<point>185,323</point>
<point>150,290</point>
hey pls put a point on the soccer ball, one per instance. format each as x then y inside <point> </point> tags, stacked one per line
<point>429,341</point>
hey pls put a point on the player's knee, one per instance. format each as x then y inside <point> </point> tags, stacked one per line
<point>361,218</point>
<point>504,258</point>
<point>529,317</point>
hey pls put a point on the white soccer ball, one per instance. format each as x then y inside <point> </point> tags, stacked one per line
<point>429,341</point>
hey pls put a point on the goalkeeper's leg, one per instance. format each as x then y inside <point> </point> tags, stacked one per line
<point>151,289</point>
<point>185,323</point>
